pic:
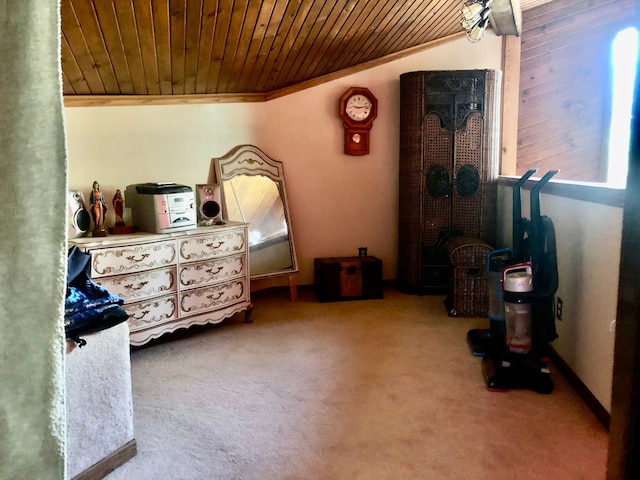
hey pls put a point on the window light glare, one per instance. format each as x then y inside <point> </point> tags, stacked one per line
<point>623,59</point>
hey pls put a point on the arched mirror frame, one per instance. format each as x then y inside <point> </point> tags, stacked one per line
<point>250,160</point>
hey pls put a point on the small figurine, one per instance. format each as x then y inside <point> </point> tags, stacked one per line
<point>98,210</point>
<point>118,208</point>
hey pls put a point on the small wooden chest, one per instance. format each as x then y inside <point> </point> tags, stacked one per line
<point>347,278</point>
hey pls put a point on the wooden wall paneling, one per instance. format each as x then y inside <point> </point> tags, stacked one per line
<point>241,25</point>
<point>193,22</point>
<point>384,25</point>
<point>577,112</point>
<point>205,46</point>
<point>578,163</point>
<point>131,47</point>
<point>286,55</point>
<point>573,138</point>
<point>564,86</point>
<point>441,22</point>
<point>338,33</point>
<point>143,21</point>
<point>266,47</point>
<point>160,19</point>
<point>70,60</point>
<point>223,20</point>
<point>420,26</point>
<point>377,47</point>
<point>264,11</point>
<point>178,33</point>
<point>72,76</point>
<point>510,101</point>
<point>114,45</point>
<point>154,48</point>
<point>330,28</point>
<point>305,39</point>
<point>570,15</point>
<point>368,18</point>
<point>276,51</point>
<point>89,35</point>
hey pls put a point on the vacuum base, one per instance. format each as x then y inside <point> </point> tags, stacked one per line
<point>485,341</point>
<point>510,370</point>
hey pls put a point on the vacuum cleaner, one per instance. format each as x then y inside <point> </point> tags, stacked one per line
<point>524,280</point>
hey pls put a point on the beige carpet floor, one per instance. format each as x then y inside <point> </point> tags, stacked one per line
<point>367,390</point>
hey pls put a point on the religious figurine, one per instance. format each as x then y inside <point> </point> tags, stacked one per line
<point>118,208</point>
<point>98,210</point>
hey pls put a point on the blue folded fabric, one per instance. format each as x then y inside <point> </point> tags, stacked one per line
<point>88,307</point>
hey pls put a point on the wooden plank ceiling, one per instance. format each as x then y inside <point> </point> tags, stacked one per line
<point>206,47</point>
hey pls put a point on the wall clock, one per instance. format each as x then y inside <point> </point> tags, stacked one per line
<point>358,108</point>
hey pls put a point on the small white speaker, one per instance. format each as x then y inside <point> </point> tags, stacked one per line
<point>79,218</point>
<point>209,206</point>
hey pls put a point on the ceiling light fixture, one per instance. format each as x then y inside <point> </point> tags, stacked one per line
<point>475,17</point>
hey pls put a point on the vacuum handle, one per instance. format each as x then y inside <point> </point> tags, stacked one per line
<point>526,266</point>
<point>497,252</point>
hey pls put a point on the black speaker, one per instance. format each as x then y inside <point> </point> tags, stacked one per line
<point>78,217</point>
<point>209,206</point>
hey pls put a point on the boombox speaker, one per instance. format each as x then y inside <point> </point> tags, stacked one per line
<point>78,216</point>
<point>209,206</point>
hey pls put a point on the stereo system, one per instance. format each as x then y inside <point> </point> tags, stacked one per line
<point>79,220</point>
<point>163,207</point>
<point>208,202</point>
<point>156,207</point>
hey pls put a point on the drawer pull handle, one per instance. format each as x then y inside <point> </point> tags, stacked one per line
<point>215,271</point>
<point>215,246</point>
<point>132,258</point>
<point>142,315</point>
<point>215,297</point>
<point>138,287</point>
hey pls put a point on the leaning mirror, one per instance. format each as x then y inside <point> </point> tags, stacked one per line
<point>253,191</point>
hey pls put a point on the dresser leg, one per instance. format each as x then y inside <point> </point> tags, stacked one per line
<point>293,290</point>
<point>247,314</point>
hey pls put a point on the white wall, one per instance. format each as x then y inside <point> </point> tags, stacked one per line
<point>338,202</point>
<point>588,237</point>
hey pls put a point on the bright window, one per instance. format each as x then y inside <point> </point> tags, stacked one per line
<point>623,59</point>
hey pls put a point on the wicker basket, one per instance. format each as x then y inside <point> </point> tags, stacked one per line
<point>469,295</point>
<point>468,252</point>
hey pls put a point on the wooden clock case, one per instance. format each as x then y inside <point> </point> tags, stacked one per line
<point>357,133</point>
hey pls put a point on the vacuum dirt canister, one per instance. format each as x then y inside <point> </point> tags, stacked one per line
<point>517,282</point>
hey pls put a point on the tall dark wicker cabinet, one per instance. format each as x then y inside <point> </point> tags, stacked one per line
<point>449,160</point>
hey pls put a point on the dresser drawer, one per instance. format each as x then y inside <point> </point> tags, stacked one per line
<point>138,286</point>
<point>215,296</point>
<point>215,245</point>
<point>200,274</point>
<point>149,313</point>
<point>132,258</point>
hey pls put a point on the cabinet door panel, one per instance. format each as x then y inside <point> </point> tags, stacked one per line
<point>137,286</point>
<point>211,246</point>
<point>132,258</point>
<point>213,297</point>
<point>149,313</point>
<point>199,274</point>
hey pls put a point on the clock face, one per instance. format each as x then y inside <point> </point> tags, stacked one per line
<point>358,107</point>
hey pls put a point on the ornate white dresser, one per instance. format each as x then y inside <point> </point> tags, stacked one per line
<point>175,280</point>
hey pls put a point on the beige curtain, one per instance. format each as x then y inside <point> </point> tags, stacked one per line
<point>33,185</point>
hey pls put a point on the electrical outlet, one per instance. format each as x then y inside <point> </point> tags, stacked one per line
<point>559,309</point>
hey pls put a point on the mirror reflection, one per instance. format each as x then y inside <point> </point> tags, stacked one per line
<point>253,191</point>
